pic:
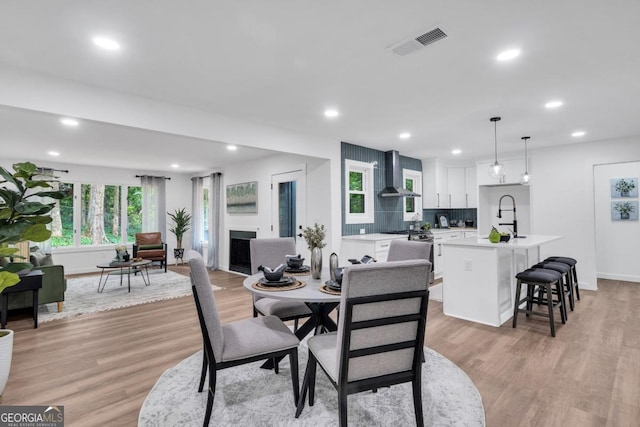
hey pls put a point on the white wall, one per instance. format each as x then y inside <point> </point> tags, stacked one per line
<point>562,197</point>
<point>319,196</point>
<point>616,241</point>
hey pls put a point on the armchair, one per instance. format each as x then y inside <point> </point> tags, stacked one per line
<point>54,284</point>
<point>150,246</point>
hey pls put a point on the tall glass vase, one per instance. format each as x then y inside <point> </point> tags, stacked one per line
<point>316,262</point>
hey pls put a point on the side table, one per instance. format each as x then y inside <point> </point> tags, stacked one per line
<point>29,282</point>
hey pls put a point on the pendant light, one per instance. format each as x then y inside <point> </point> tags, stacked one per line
<point>525,178</point>
<point>496,170</point>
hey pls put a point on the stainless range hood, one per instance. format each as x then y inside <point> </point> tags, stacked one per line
<point>395,185</point>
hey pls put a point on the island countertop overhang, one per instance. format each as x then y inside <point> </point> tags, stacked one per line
<point>530,241</point>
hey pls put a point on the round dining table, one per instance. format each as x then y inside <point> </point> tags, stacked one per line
<point>320,303</point>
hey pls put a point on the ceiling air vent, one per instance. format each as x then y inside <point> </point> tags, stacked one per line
<point>413,44</point>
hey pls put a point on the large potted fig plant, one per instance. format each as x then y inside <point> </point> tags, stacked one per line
<point>23,217</point>
<point>181,221</point>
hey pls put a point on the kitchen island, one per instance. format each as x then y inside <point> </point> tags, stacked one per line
<point>479,276</point>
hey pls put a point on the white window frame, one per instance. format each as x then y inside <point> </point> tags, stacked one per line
<point>367,169</point>
<point>416,176</point>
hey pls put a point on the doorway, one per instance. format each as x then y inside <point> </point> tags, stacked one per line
<point>288,199</point>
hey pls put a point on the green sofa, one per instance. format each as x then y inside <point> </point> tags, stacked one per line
<point>54,284</point>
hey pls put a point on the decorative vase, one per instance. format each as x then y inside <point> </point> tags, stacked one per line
<point>6,353</point>
<point>624,215</point>
<point>316,262</point>
<point>333,264</point>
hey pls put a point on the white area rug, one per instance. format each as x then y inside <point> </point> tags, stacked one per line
<point>250,396</point>
<point>82,294</point>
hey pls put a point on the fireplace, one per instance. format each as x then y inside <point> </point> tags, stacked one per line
<point>239,251</point>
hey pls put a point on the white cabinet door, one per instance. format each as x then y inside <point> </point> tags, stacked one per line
<point>438,254</point>
<point>471,187</point>
<point>434,186</point>
<point>456,186</point>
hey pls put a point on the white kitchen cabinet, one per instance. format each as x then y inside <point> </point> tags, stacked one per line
<point>513,168</point>
<point>434,186</point>
<point>439,237</point>
<point>456,187</point>
<point>471,187</point>
<point>473,233</point>
<point>375,245</point>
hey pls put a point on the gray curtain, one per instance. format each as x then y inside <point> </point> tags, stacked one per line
<point>197,213</point>
<point>154,210</point>
<point>215,188</point>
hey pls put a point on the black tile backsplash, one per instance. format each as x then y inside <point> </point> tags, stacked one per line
<point>453,215</point>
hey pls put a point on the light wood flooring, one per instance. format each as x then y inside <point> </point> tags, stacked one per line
<point>101,366</point>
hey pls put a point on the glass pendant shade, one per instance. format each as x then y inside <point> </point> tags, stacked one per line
<point>496,170</point>
<point>525,178</point>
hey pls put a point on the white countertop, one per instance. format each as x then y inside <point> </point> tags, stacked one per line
<point>530,241</point>
<point>451,230</point>
<point>373,237</point>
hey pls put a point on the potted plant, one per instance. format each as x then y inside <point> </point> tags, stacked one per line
<point>23,217</point>
<point>624,187</point>
<point>625,208</point>
<point>181,221</point>
<point>314,236</point>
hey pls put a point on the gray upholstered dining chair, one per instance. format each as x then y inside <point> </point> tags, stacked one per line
<point>380,334</point>
<point>402,250</point>
<point>271,252</point>
<point>239,342</point>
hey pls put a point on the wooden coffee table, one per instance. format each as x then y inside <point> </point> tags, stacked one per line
<point>122,269</point>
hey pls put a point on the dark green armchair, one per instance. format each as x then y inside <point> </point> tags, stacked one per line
<point>54,285</point>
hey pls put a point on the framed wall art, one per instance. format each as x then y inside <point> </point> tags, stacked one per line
<point>242,198</point>
<point>624,210</point>
<point>624,187</point>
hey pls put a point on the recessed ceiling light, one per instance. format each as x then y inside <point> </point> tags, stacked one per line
<point>331,113</point>
<point>106,43</point>
<point>456,151</point>
<point>69,122</point>
<point>175,165</point>
<point>405,135</point>
<point>508,55</point>
<point>232,147</point>
<point>578,133</point>
<point>553,104</point>
<point>53,153</point>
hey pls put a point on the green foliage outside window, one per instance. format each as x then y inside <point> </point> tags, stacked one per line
<point>410,202</point>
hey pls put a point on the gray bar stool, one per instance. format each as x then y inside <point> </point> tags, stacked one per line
<point>537,279</point>
<point>572,263</point>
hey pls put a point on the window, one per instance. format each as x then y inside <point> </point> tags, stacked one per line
<point>359,192</point>
<point>205,213</point>
<point>412,205</point>
<point>101,214</point>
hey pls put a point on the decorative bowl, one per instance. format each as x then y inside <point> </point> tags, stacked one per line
<point>505,238</point>
<point>273,276</point>
<point>295,262</point>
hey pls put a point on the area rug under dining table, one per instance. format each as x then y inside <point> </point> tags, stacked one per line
<point>247,395</point>
<point>82,297</point>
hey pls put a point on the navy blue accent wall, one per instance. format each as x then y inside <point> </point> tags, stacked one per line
<point>388,210</point>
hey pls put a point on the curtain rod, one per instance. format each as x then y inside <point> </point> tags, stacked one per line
<point>207,176</point>
<point>151,176</point>
<point>52,170</point>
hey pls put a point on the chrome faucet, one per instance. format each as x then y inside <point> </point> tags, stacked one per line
<point>515,221</point>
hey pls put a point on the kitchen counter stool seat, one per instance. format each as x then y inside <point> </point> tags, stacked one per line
<point>536,279</point>
<point>572,263</point>
<point>567,286</point>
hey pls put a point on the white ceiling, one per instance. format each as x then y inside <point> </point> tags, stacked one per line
<point>281,63</point>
